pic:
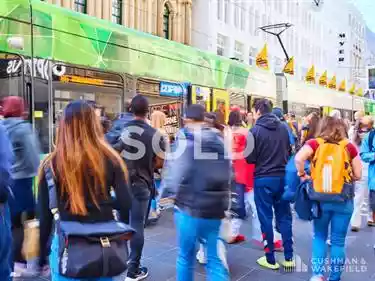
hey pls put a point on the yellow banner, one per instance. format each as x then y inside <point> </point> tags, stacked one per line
<point>221,105</point>
<point>360,92</point>
<point>310,76</point>
<point>262,58</point>
<point>289,67</point>
<point>332,84</point>
<point>323,79</point>
<point>342,87</point>
<point>352,89</point>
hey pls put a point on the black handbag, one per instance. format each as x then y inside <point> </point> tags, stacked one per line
<point>89,250</point>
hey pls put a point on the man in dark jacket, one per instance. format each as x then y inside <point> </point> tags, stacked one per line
<point>270,156</point>
<point>199,175</point>
<point>5,224</point>
<point>142,147</point>
<point>26,150</point>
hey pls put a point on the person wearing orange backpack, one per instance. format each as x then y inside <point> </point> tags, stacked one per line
<point>335,165</point>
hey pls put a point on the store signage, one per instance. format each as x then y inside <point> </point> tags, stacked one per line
<point>40,68</point>
<point>173,115</point>
<point>173,89</point>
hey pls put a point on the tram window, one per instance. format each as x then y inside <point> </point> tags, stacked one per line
<point>41,114</point>
<point>10,76</point>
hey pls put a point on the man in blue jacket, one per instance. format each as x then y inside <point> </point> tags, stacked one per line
<point>198,175</point>
<point>270,156</point>
<point>5,224</point>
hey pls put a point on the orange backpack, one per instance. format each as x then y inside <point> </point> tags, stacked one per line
<point>331,170</point>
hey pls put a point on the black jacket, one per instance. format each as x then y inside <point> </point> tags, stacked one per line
<point>271,147</point>
<point>139,155</point>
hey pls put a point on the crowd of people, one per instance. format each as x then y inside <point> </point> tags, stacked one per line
<point>104,181</point>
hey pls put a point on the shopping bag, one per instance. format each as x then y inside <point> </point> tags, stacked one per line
<point>30,247</point>
<point>226,228</point>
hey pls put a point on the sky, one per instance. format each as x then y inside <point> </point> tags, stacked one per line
<point>367,7</point>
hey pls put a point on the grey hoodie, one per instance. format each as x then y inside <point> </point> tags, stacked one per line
<point>25,147</point>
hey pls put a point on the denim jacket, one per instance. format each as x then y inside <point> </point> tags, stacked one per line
<point>201,184</point>
<point>368,156</point>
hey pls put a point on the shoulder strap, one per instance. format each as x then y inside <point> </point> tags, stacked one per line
<point>344,142</point>
<point>52,192</point>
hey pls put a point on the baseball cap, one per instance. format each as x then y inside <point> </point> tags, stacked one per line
<point>195,112</point>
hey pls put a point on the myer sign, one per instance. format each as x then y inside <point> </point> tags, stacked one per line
<point>41,68</point>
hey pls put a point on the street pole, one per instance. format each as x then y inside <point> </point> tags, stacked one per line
<point>281,28</point>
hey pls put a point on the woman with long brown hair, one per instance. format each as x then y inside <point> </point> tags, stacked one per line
<point>335,165</point>
<point>86,170</point>
<point>310,130</point>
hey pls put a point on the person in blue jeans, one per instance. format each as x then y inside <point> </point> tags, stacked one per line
<point>198,175</point>
<point>335,216</point>
<point>5,223</point>
<point>272,148</point>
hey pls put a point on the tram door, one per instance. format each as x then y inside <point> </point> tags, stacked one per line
<point>240,101</point>
<point>201,95</point>
<point>221,105</point>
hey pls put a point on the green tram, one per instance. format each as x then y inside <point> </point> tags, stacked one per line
<point>50,56</point>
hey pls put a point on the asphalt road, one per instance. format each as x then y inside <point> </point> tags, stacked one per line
<point>160,253</point>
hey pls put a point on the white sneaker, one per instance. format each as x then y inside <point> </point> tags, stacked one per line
<point>201,257</point>
<point>19,269</point>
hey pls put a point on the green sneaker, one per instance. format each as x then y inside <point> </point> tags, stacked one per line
<point>264,263</point>
<point>289,266</point>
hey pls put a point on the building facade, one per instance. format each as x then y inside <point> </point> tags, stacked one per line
<point>170,19</point>
<point>231,28</point>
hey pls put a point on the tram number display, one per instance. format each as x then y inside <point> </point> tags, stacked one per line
<point>172,111</point>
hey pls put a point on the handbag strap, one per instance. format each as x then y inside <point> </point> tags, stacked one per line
<point>52,192</point>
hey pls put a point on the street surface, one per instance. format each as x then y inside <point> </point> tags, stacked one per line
<point>160,255</point>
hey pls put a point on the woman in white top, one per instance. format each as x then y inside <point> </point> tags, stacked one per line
<point>157,121</point>
<point>363,126</point>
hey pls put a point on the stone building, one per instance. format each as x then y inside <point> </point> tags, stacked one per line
<point>170,19</point>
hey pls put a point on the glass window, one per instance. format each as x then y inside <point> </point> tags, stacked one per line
<point>257,23</point>
<point>166,18</point>
<point>243,18</point>
<point>220,44</point>
<point>252,55</point>
<point>226,11</point>
<point>251,20</point>
<point>219,9</point>
<point>80,6</point>
<point>238,50</point>
<point>237,15</point>
<point>117,11</point>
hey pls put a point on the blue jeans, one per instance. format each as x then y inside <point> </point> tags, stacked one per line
<point>189,230</point>
<point>54,264</point>
<point>6,261</point>
<point>337,217</point>
<point>268,192</point>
